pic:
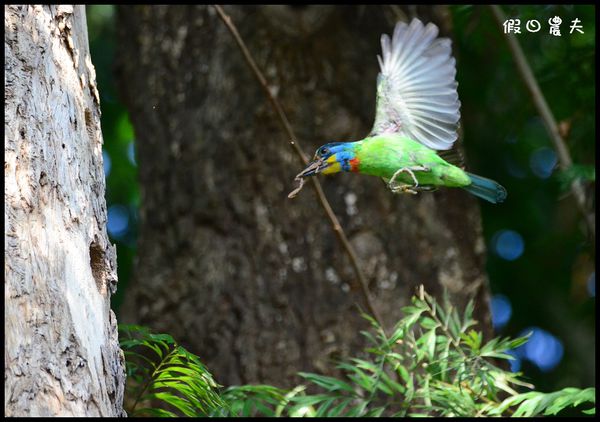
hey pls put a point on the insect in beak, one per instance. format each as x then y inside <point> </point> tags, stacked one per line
<point>314,167</point>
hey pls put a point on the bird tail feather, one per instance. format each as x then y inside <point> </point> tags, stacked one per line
<point>486,189</point>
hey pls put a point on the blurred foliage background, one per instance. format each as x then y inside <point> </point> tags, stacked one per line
<point>540,259</point>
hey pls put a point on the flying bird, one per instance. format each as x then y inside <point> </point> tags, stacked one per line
<point>416,121</point>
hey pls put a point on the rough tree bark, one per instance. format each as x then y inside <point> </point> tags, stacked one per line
<point>62,355</point>
<point>254,282</point>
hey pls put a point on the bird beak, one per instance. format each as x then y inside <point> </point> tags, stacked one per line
<point>314,167</point>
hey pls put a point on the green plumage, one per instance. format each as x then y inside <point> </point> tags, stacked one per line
<point>383,155</point>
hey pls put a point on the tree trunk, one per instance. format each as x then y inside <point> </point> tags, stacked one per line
<point>255,283</point>
<point>62,355</point>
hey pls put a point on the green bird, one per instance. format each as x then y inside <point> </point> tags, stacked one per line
<point>417,117</point>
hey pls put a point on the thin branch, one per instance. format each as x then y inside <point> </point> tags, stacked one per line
<point>337,228</point>
<point>539,100</point>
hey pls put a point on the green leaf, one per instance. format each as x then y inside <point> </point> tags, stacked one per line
<point>410,389</point>
<point>370,337</point>
<point>428,323</point>
<point>393,385</point>
<point>310,400</point>
<point>472,339</point>
<point>519,341</point>
<point>363,364</point>
<point>571,397</point>
<point>286,399</point>
<point>535,403</point>
<point>329,383</point>
<point>455,325</point>
<point>429,343</point>
<point>324,407</point>
<point>468,315</point>
<point>264,410</point>
<point>590,411</point>
<point>444,358</point>
<point>397,334</point>
<point>586,173</point>
<point>357,410</point>
<point>375,412</point>
<point>358,376</point>
<point>172,400</point>
<point>413,316</point>
<point>403,372</point>
<point>248,408</point>
<point>339,408</point>
<point>152,411</point>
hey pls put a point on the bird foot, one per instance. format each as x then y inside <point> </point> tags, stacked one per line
<point>395,188</point>
<point>402,189</point>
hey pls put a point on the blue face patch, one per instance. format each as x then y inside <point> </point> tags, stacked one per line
<point>327,150</point>
<point>344,157</point>
<point>343,151</point>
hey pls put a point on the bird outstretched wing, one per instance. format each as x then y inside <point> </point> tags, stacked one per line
<point>416,88</point>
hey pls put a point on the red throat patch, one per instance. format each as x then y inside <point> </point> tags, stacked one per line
<point>354,164</point>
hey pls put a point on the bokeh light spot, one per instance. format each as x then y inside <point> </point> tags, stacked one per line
<point>131,153</point>
<point>542,162</point>
<point>501,311</point>
<point>591,284</point>
<point>543,349</point>
<point>508,244</point>
<point>118,220</point>
<point>106,161</point>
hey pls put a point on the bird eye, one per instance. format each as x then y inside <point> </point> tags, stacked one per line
<point>324,151</point>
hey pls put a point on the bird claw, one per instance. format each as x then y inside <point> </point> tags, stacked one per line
<point>403,189</point>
